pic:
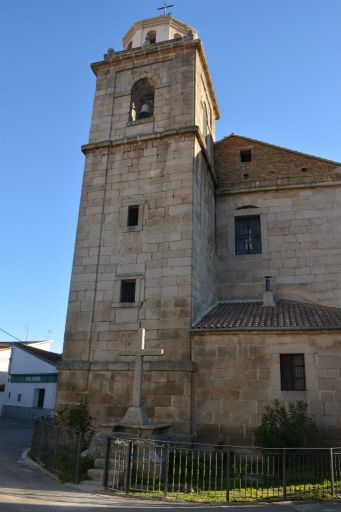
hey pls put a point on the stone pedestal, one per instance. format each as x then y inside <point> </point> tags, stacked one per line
<point>153,431</point>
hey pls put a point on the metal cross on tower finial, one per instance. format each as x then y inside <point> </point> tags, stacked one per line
<point>164,9</point>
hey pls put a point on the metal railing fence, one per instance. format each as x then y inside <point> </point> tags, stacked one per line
<point>221,473</point>
<point>57,448</point>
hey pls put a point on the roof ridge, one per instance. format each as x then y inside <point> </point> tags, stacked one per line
<point>45,355</point>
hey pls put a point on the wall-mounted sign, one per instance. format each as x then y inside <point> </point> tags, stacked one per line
<point>29,378</point>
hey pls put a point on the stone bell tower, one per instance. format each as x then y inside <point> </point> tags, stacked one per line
<point>144,253</point>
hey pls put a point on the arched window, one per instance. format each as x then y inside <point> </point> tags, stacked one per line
<point>151,36</point>
<point>142,99</point>
<point>177,36</point>
<point>130,45</point>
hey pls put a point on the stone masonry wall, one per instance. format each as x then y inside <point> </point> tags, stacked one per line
<point>239,374</point>
<point>151,168</point>
<point>203,278</point>
<point>301,244</point>
<point>171,71</point>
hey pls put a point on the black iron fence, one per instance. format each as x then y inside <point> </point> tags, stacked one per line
<point>221,473</point>
<point>58,449</point>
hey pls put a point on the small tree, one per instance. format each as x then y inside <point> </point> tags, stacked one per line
<point>78,418</point>
<point>282,428</point>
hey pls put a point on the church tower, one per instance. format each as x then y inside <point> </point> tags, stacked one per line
<point>144,253</point>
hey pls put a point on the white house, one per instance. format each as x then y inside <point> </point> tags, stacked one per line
<point>31,382</point>
<point>5,356</point>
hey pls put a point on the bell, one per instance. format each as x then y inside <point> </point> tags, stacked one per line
<point>145,110</point>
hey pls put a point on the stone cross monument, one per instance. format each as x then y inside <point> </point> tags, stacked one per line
<point>136,414</point>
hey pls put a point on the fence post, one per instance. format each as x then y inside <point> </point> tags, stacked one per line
<point>106,463</point>
<point>165,488</point>
<point>284,471</point>
<point>128,466</point>
<point>228,474</point>
<point>78,457</point>
<point>332,481</point>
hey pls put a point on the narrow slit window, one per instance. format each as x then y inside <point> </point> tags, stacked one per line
<point>245,155</point>
<point>292,372</point>
<point>133,215</point>
<point>128,287</point>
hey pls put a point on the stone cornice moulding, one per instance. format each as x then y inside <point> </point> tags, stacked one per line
<point>164,365</point>
<point>266,188</point>
<point>110,144</point>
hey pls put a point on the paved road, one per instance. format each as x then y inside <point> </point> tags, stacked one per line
<point>26,488</point>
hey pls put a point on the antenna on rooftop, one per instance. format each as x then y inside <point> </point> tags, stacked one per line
<point>164,9</point>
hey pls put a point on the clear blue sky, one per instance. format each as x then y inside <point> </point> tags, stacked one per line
<point>276,69</point>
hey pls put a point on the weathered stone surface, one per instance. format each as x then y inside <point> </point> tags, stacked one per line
<point>181,254</point>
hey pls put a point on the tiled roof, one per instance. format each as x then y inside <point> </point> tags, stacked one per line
<point>284,315</point>
<point>45,355</point>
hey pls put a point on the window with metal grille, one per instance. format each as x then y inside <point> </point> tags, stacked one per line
<point>292,372</point>
<point>128,290</point>
<point>133,215</point>
<point>248,235</point>
<point>245,155</point>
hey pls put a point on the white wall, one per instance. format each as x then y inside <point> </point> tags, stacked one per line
<point>25,394</point>
<point>26,390</point>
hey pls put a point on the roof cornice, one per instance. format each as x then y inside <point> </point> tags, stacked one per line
<point>281,148</point>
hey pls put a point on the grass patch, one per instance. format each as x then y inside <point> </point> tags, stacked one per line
<point>295,492</point>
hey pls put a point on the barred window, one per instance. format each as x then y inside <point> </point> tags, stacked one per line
<point>248,235</point>
<point>133,215</point>
<point>292,372</point>
<point>128,290</point>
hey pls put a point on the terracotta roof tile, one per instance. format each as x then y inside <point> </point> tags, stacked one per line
<point>285,315</point>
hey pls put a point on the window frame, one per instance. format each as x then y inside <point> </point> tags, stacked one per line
<point>289,373</point>
<point>237,238</point>
<point>123,215</point>
<point>139,290</point>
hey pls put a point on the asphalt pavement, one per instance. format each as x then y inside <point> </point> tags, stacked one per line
<point>25,487</point>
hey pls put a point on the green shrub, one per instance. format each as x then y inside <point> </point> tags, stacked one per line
<point>77,418</point>
<point>86,462</point>
<point>282,428</point>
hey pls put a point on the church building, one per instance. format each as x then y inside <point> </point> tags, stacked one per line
<point>227,253</point>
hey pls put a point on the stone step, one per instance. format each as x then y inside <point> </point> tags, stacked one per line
<point>95,474</point>
<point>99,463</point>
